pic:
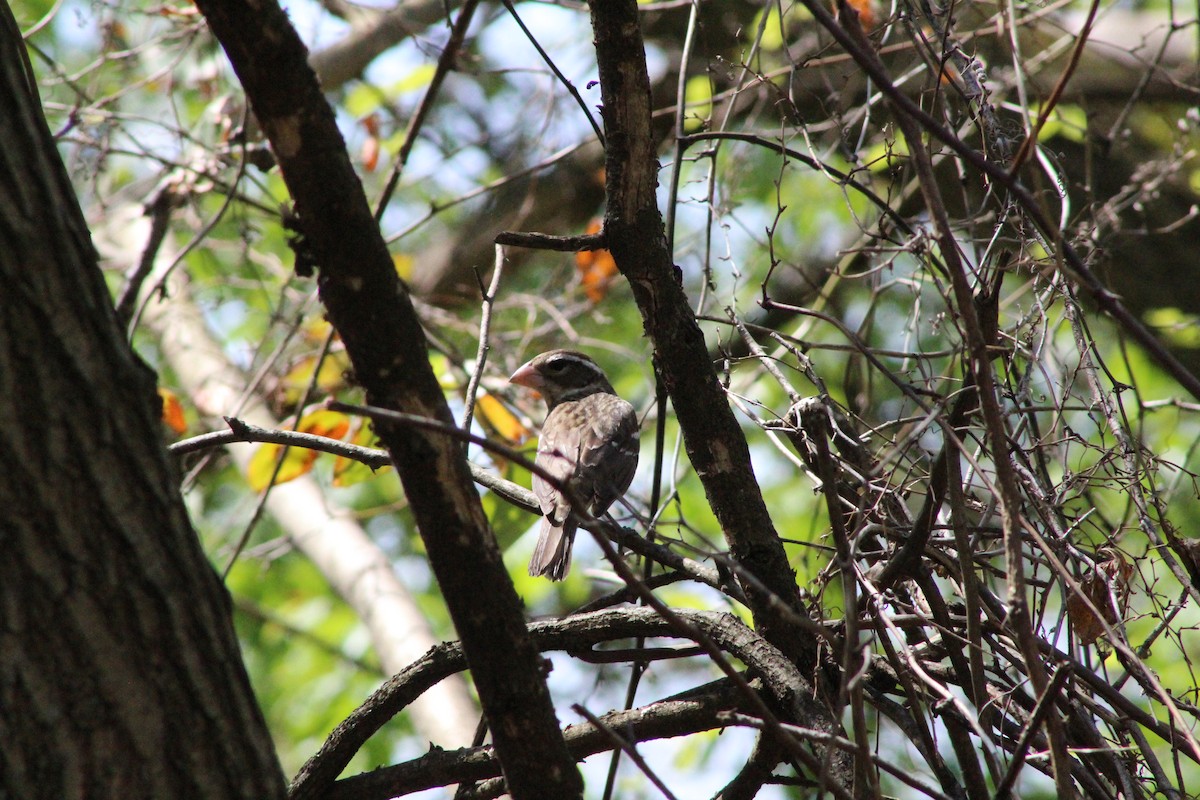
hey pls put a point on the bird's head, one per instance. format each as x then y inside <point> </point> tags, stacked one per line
<point>562,376</point>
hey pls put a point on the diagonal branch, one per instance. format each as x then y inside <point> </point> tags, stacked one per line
<point>781,681</point>
<point>633,230</point>
<point>715,443</point>
<point>373,312</point>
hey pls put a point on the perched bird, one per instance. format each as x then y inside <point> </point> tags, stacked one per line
<point>589,443</point>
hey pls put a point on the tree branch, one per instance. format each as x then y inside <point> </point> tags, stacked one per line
<point>578,632</point>
<point>715,443</point>
<point>373,312</point>
<point>661,720</point>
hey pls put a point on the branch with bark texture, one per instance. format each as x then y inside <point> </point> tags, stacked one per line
<point>519,496</point>
<point>780,679</point>
<point>120,665</point>
<point>374,315</point>
<point>715,443</point>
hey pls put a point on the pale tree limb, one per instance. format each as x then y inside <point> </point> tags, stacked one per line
<point>330,537</point>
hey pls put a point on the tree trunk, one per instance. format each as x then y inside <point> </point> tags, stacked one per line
<point>120,675</point>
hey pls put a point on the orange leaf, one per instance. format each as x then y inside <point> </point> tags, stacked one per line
<point>323,422</point>
<point>172,411</point>
<point>866,13</point>
<point>596,268</point>
<point>864,8</point>
<point>370,153</point>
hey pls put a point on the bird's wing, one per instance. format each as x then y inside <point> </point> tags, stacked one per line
<point>609,452</point>
<point>558,455</point>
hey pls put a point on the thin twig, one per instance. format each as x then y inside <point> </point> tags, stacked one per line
<point>446,62</point>
<point>485,326</point>
<point>625,746</point>
<point>587,112</point>
<point>1045,705</point>
<point>261,507</point>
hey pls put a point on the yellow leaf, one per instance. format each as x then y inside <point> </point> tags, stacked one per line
<point>698,102</point>
<point>403,264</point>
<point>297,462</point>
<point>416,79</point>
<point>299,377</point>
<point>445,372</point>
<point>772,38</point>
<point>316,329</point>
<point>496,416</point>
<point>347,471</point>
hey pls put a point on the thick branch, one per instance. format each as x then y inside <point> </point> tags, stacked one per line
<point>660,720</point>
<point>786,686</point>
<point>633,228</point>
<point>373,313</point>
<point>120,672</point>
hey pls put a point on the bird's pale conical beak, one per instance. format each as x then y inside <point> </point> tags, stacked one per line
<point>527,376</point>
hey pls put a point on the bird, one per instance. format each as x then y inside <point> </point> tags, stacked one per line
<point>589,443</point>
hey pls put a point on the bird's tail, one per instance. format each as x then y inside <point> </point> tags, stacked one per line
<point>552,555</point>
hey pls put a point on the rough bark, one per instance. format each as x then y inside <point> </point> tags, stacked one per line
<point>120,673</point>
<point>633,230</point>
<point>715,443</point>
<point>694,710</point>
<point>331,537</point>
<point>373,312</point>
